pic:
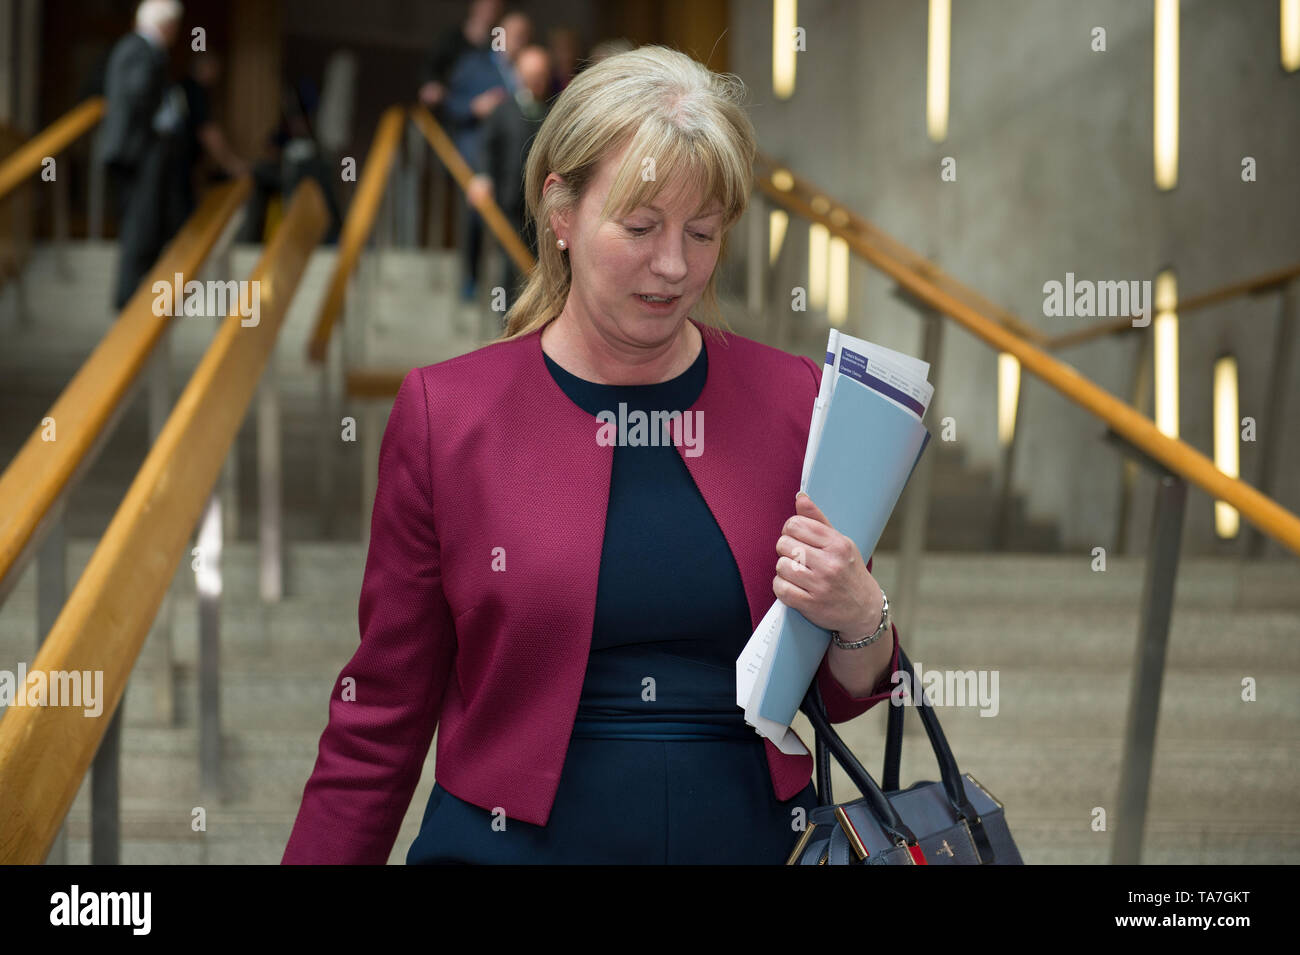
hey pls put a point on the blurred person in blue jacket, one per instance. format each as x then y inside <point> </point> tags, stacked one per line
<point>507,137</point>
<point>463,78</point>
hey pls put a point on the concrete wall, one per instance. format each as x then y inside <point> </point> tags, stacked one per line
<point>1054,174</point>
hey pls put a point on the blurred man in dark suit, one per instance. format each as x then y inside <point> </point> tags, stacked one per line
<point>136,136</point>
<point>507,135</point>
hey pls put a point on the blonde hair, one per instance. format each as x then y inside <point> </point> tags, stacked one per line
<point>668,106</point>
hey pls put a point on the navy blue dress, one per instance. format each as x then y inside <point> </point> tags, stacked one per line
<point>661,766</point>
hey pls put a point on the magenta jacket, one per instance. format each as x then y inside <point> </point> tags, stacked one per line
<point>486,459</point>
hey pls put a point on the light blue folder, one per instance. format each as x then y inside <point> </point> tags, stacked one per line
<point>868,450</point>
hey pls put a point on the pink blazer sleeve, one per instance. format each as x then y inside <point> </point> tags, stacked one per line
<point>386,701</point>
<point>840,705</point>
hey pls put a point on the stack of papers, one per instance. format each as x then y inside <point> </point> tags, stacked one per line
<point>864,442</point>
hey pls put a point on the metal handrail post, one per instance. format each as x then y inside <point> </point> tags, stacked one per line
<point>223,268</point>
<point>105,792</point>
<point>51,595</point>
<point>916,506</point>
<point>372,430</point>
<point>1002,526</point>
<point>1141,390</point>
<point>160,406</point>
<point>756,255</point>
<point>105,776</point>
<point>1149,669</point>
<point>1278,380</point>
<point>208,586</point>
<point>325,439</point>
<point>270,529</point>
<point>366,425</point>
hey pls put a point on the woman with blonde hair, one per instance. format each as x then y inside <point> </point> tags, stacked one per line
<point>577,527</point>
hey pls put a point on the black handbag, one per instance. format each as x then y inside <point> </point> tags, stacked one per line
<point>953,822</point>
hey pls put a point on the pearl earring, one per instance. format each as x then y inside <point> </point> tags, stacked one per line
<point>561,244</point>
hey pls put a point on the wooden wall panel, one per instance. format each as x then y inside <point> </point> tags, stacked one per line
<point>253,75</point>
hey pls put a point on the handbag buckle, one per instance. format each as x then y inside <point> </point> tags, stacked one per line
<point>855,841</point>
<point>801,844</point>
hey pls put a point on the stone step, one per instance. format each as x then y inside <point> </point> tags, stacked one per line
<point>1049,790</point>
<point>287,683</point>
<point>997,581</point>
<point>1062,639</point>
<point>1038,639</point>
<point>1028,703</point>
<point>237,838</point>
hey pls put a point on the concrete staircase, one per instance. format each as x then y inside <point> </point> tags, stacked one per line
<point>1059,636</point>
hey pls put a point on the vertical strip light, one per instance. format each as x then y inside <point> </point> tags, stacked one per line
<point>1226,440</point>
<point>818,241</point>
<point>784,20</point>
<point>1166,353</point>
<point>1008,395</point>
<point>837,303</point>
<point>1290,17</point>
<point>936,86</point>
<point>1166,94</point>
<point>777,222</point>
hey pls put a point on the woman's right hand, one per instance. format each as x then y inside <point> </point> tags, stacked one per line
<point>478,190</point>
<point>432,93</point>
<point>484,103</point>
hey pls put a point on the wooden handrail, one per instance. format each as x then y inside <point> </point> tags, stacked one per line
<point>52,140</point>
<point>378,383</point>
<point>374,383</point>
<point>38,474</point>
<point>46,750</point>
<point>1116,326</point>
<point>460,170</point>
<point>1258,283</point>
<point>357,226</point>
<point>938,292</point>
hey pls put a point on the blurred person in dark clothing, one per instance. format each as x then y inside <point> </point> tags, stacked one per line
<point>447,49</point>
<point>298,156</point>
<point>565,46</point>
<point>463,80</point>
<point>516,33</point>
<point>137,140</point>
<point>507,137</point>
<point>201,134</point>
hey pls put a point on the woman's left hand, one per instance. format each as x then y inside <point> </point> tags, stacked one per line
<point>821,574</point>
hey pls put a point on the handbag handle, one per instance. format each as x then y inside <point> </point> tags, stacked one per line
<point>893,748</point>
<point>828,738</point>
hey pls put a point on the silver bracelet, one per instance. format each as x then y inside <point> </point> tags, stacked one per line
<point>867,641</point>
